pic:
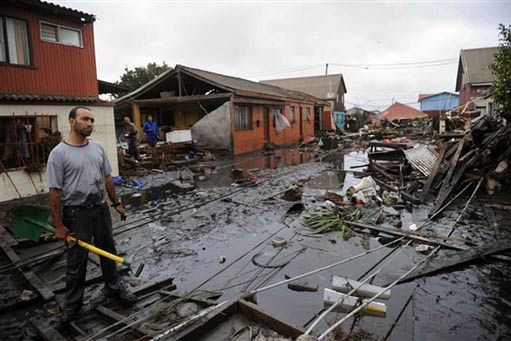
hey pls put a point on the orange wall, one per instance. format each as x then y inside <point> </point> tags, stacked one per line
<point>250,140</point>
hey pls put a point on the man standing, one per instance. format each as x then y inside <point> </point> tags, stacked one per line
<point>130,131</point>
<point>78,173</point>
<point>151,130</point>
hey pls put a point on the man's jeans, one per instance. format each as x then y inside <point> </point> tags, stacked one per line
<point>88,224</point>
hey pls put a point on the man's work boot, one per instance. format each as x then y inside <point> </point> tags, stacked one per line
<point>122,295</point>
<point>68,316</point>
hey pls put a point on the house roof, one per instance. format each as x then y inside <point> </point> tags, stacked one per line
<point>239,86</point>
<point>323,87</point>
<point>424,96</point>
<point>400,111</point>
<point>48,98</point>
<point>474,63</point>
<point>52,8</point>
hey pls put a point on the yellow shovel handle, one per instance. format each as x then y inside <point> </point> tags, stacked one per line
<point>98,251</point>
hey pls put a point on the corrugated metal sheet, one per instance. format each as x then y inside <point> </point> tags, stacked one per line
<point>47,98</point>
<point>57,69</point>
<point>422,158</point>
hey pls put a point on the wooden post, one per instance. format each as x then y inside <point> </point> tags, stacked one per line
<point>180,93</point>
<point>137,118</point>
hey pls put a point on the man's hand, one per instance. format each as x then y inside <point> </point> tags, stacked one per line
<point>121,211</point>
<point>61,232</point>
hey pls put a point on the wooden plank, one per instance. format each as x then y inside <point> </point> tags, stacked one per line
<point>183,99</point>
<point>154,285</point>
<point>208,322</point>
<point>282,327</point>
<point>434,171</point>
<point>397,232</point>
<point>120,318</point>
<point>420,238</point>
<point>46,331</point>
<point>31,277</point>
<point>457,258</point>
<point>447,185</point>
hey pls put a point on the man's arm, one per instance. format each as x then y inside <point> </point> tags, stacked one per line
<point>61,231</point>
<point>110,189</point>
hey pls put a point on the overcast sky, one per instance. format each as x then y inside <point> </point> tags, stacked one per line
<point>268,40</point>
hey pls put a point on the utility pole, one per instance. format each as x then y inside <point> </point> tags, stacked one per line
<point>326,69</point>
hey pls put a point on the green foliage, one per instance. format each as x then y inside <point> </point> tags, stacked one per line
<point>325,221</point>
<point>135,78</point>
<point>501,67</point>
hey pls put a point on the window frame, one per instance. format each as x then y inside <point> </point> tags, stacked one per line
<point>237,126</point>
<point>7,61</point>
<point>58,27</point>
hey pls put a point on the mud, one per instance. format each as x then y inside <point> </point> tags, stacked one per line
<point>190,234</point>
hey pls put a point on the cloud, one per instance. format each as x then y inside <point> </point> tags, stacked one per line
<point>268,40</point>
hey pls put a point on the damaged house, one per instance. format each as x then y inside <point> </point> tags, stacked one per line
<point>329,88</point>
<point>224,113</point>
<point>47,67</point>
<point>474,79</point>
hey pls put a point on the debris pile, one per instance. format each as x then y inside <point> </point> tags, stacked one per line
<point>164,157</point>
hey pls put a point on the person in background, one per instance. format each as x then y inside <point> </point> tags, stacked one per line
<point>151,130</point>
<point>130,131</point>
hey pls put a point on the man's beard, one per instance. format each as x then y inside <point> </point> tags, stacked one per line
<point>83,132</point>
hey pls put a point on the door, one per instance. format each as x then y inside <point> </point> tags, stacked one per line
<point>266,124</point>
<point>301,123</point>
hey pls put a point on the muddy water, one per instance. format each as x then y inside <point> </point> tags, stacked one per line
<point>470,303</point>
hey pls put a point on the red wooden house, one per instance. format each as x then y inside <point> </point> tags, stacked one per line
<point>47,66</point>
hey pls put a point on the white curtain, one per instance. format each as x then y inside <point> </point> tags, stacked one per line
<point>17,40</point>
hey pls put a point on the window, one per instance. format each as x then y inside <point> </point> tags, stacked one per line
<point>292,114</point>
<point>243,118</point>
<point>14,42</point>
<point>308,116</point>
<point>60,34</point>
<point>26,140</point>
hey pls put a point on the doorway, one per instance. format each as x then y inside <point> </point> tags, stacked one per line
<point>266,124</point>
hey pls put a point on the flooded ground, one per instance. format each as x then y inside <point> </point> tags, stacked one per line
<point>219,235</point>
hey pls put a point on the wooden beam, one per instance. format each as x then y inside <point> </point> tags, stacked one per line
<point>183,99</point>
<point>137,118</point>
<point>447,185</point>
<point>459,258</point>
<point>434,171</point>
<point>154,285</point>
<point>31,277</point>
<point>282,327</point>
<point>410,235</point>
<point>46,331</point>
<point>180,86</point>
<point>120,318</point>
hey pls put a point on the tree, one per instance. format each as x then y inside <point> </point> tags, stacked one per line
<point>135,78</point>
<point>501,68</point>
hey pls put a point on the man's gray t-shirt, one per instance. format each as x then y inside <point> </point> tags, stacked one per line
<point>79,171</point>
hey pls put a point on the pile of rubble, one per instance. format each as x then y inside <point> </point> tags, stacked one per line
<point>163,157</point>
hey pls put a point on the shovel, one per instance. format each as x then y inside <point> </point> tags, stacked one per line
<point>30,221</point>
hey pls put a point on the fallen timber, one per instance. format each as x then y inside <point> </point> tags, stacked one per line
<point>453,259</point>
